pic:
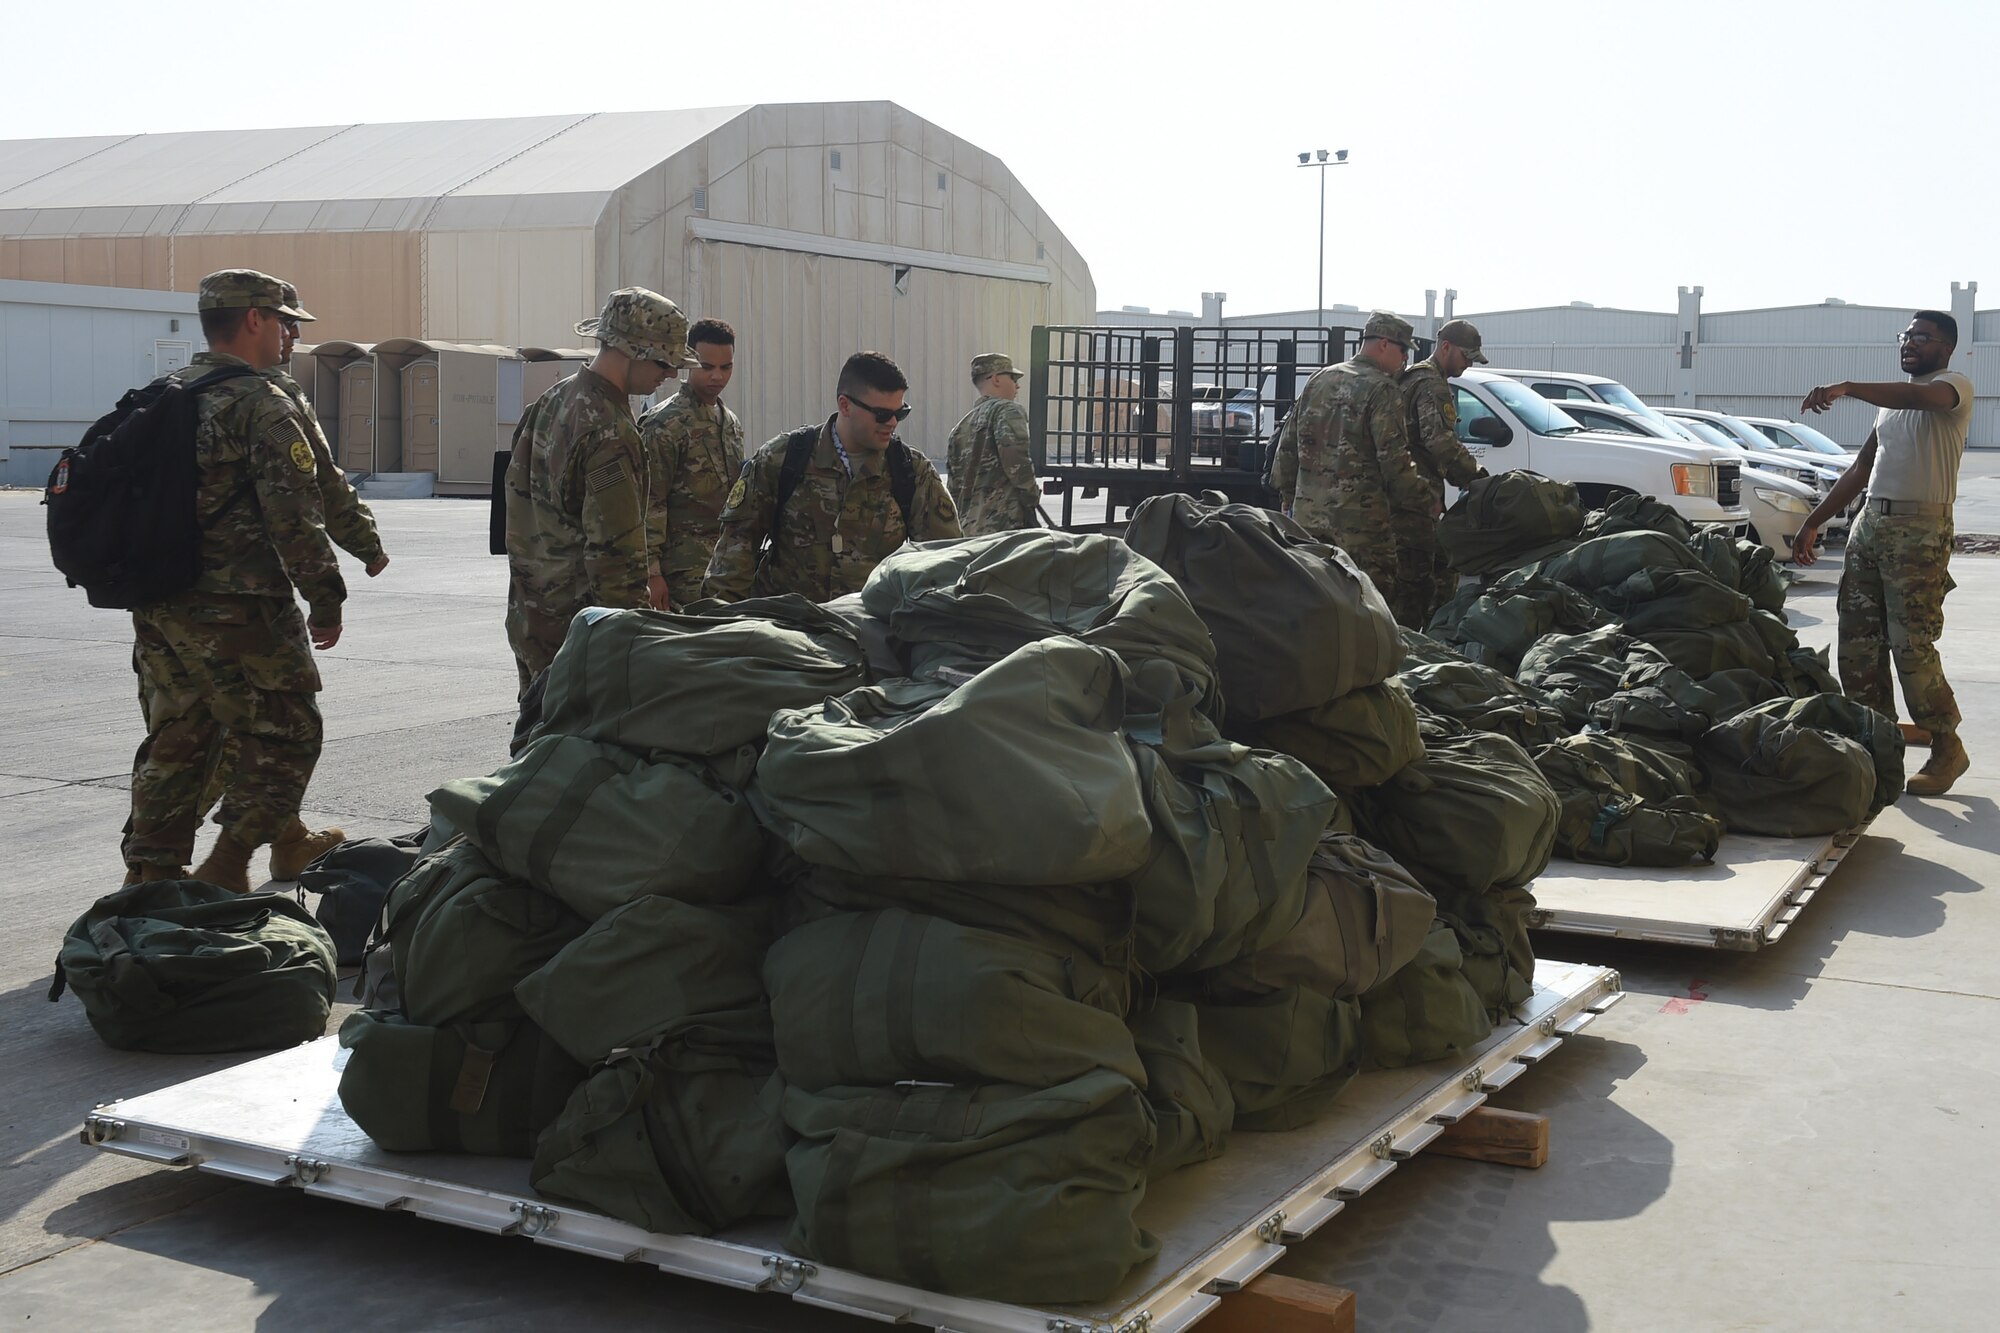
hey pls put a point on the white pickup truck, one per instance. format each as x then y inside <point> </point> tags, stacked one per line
<point>1506,425</point>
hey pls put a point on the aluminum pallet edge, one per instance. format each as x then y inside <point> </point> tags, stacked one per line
<point>278,1121</point>
<point>1746,899</point>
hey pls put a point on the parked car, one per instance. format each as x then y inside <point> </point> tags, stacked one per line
<point>1811,466</point>
<point>1777,504</point>
<point>1577,386</point>
<point>1797,435</point>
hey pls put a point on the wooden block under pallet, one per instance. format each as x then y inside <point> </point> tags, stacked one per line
<point>1276,1304</point>
<point>1489,1134</point>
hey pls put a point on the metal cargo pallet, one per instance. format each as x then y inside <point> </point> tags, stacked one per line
<point>278,1121</point>
<point>1747,899</point>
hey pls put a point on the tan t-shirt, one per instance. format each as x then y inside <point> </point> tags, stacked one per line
<point>1917,453</point>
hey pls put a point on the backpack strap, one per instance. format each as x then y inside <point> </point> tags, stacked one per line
<point>903,482</point>
<point>214,377</point>
<point>798,453</point>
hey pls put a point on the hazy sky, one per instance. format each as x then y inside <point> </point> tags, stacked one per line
<point>1525,153</point>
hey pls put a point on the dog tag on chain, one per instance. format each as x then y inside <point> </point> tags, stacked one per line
<point>837,545</point>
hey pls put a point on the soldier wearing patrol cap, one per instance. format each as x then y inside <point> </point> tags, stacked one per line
<point>990,465</point>
<point>577,480</point>
<point>1424,578</point>
<point>232,655</point>
<point>1344,467</point>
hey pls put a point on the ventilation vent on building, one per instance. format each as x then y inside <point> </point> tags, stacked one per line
<point>833,159</point>
<point>701,198</point>
<point>1041,251</point>
<point>940,180</point>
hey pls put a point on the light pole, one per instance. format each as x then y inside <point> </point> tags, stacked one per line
<point>1338,159</point>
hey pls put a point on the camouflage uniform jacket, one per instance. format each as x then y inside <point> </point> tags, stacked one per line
<point>1344,460</point>
<point>576,503</point>
<point>348,520</point>
<point>265,532</point>
<point>999,493</point>
<point>835,528</point>
<point>695,453</point>
<point>1434,441</point>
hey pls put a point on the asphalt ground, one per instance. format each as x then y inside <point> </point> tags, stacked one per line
<point>1795,1138</point>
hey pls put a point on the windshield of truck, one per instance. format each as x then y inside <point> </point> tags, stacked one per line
<point>1614,392</point>
<point>1742,433</point>
<point>1537,413</point>
<point>1809,438</point>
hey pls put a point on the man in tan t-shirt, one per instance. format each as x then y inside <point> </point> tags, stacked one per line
<point>1892,588</point>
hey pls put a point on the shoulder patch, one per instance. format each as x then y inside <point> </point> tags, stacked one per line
<point>737,494</point>
<point>286,436</point>
<point>604,477</point>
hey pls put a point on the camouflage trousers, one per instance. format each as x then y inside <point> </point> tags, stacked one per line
<point>1425,580</point>
<point>1373,552</point>
<point>1891,610</point>
<point>535,635</point>
<point>216,670</point>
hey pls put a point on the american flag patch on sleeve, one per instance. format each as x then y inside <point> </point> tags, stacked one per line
<point>605,477</point>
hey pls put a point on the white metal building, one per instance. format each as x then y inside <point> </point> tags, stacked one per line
<point>817,230</point>
<point>66,355</point>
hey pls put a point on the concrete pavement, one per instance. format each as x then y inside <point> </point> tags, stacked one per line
<point>1798,1138</point>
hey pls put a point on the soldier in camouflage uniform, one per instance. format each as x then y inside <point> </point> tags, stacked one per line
<point>694,445</point>
<point>1897,568</point>
<point>577,481</point>
<point>990,463</point>
<point>232,653</point>
<point>1424,578</point>
<point>844,517</point>
<point>1343,466</point>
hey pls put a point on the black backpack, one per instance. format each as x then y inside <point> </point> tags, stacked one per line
<point>122,519</point>
<point>799,447</point>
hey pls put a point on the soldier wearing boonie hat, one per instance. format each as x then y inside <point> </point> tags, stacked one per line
<point>990,464</point>
<point>1343,466</point>
<point>1425,580</point>
<point>578,482</point>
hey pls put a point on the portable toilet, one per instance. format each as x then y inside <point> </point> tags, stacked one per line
<point>317,369</point>
<point>439,410</point>
<point>356,450</point>
<point>545,366</point>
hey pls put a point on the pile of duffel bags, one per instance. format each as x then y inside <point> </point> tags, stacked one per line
<point>941,918</point>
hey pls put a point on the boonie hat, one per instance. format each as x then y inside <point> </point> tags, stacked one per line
<point>643,324</point>
<point>993,363</point>
<point>1383,324</point>
<point>1460,334</point>
<point>247,289</point>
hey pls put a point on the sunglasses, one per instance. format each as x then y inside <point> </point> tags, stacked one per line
<point>883,415</point>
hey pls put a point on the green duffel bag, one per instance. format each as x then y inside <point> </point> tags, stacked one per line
<point>1189,1095</point>
<point>880,997</point>
<point>1295,622</point>
<point>1657,699</point>
<point>1806,672</point>
<point>1703,652</point>
<point>915,780</point>
<point>1875,732</point>
<point>988,596</point>
<point>1233,831</point>
<point>460,935</point>
<point>1599,656</point>
<point>1354,741</point>
<point>1473,814</point>
<point>484,1088</point>
<point>695,683</point>
<point>1749,567</point>
<point>1100,920</point>
<point>1637,766</point>
<point>1785,779</point>
<point>645,970</point>
<point>1005,1193</point>
<point>1604,823</point>
<point>1738,688</point>
<point>1602,563</point>
<point>598,826</point>
<point>1426,1010</point>
<point>1680,599</point>
<point>1508,519</point>
<point>1507,621</point>
<point>682,1138</point>
<point>1637,513</point>
<point>1419,648</point>
<point>1287,1055</point>
<point>1497,957</point>
<point>183,966</point>
<point>1485,700</point>
<point>1364,917</point>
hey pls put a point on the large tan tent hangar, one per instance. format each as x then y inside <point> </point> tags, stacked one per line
<point>816,229</point>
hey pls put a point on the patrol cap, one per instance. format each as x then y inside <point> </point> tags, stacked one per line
<point>642,324</point>
<point>247,289</point>
<point>1383,324</point>
<point>988,364</point>
<point>1460,334</point>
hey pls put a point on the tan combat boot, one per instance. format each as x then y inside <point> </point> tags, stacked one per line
<point>1914,734</point>
<point>1946,765</point>
<point>228,864</point>
<point>145,872</point>
<point>298,847</point>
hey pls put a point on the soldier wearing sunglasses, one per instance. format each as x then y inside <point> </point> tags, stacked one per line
<point>815,510</point>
